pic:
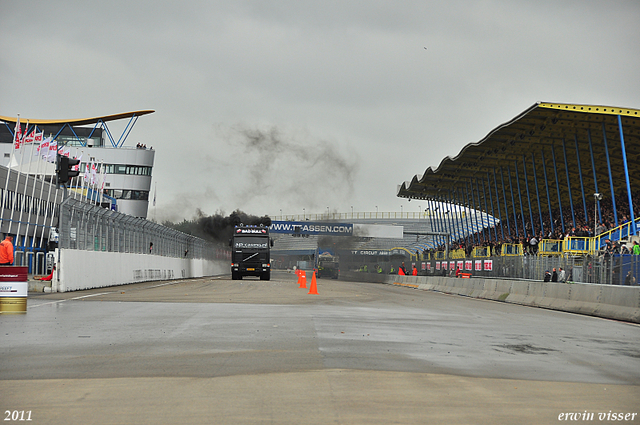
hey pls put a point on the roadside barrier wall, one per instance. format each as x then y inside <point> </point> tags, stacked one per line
<point>78,269</point>
<point>609,301</point>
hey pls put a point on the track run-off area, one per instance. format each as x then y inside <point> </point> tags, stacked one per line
<point>217,351</point>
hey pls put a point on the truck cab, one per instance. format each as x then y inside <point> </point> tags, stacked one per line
<point>328,266</point>
<point>250,252</point>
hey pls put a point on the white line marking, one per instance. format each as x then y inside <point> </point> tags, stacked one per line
<point>76,298</point>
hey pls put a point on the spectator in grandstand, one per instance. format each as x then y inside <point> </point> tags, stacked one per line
<point>601,228</point>
<point>615,247</point>
<point>6,251</point>
<point>582,231</point>
<point>533,245</point>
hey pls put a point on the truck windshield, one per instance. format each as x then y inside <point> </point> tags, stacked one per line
<point>250,242</point>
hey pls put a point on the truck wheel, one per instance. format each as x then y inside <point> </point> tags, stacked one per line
<point>265,276</point>
<point>236,276</point>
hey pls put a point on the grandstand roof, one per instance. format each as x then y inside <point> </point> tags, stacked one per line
<point>528,136</point>
<point>79,121</point>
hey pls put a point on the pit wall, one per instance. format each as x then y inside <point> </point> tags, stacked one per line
<point>76,270</point>
<point>609,301</point>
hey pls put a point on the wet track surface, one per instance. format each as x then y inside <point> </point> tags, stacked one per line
<point>352,339</point>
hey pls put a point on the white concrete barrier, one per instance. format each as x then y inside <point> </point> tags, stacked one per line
<point>78,269</point>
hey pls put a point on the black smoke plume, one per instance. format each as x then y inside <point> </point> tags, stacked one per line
<point>217,228</point>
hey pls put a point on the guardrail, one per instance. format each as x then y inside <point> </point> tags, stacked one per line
<point>550,247</point>
<point>511,249</point>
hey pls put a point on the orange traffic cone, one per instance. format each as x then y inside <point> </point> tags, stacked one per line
<point>302,279</point>
<point>313,288</point>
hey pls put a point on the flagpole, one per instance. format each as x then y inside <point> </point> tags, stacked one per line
<point>91,182</point>
<point>51,184</point>
<point>17,135</point>
<point>53,212</point>
<point>24,204</point>
<point>29,213</point>
<point>81,177</point>
<point>33,194</point>
<point>102,176</point>
<point>42,182</point>
<point>94,182</point>
<point>18,201</point>
<point>75,192</point>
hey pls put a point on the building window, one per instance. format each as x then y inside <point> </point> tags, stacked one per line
<point>136,195</point>
<point>132,170</point>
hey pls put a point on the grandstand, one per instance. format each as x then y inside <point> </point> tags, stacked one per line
<point>564,174</point>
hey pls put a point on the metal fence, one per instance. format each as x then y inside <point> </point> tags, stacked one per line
<point>88,227</point>
<point>613,269</point>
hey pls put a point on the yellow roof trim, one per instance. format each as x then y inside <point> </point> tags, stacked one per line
<point>80,121</point>
<point>592,109</point>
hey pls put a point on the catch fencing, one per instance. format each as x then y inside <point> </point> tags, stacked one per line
<point>614,269</point>
<point>84,226</point>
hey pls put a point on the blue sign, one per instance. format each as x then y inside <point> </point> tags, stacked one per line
<point>311,228</point>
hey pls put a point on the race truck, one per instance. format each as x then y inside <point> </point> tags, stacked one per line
<point>328,266</point>
<point>250,252</point>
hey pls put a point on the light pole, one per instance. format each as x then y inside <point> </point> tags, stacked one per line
<point>304,214</point>
<point>596,198</point>
<point>376,211</point>
<point>351,211</point>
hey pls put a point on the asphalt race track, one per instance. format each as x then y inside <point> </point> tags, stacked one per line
<point>217,351</point>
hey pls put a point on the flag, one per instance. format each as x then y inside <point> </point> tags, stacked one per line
<point>77,167</point>
<point>53,150</point>
<point>102,177</point>
<point>17,135</point>
<point>86,171</point>
<point>30,137</point>
<point>43,149</point>
<point>94,177</point>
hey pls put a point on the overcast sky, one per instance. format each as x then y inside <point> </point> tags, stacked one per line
<point>302,105</point>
